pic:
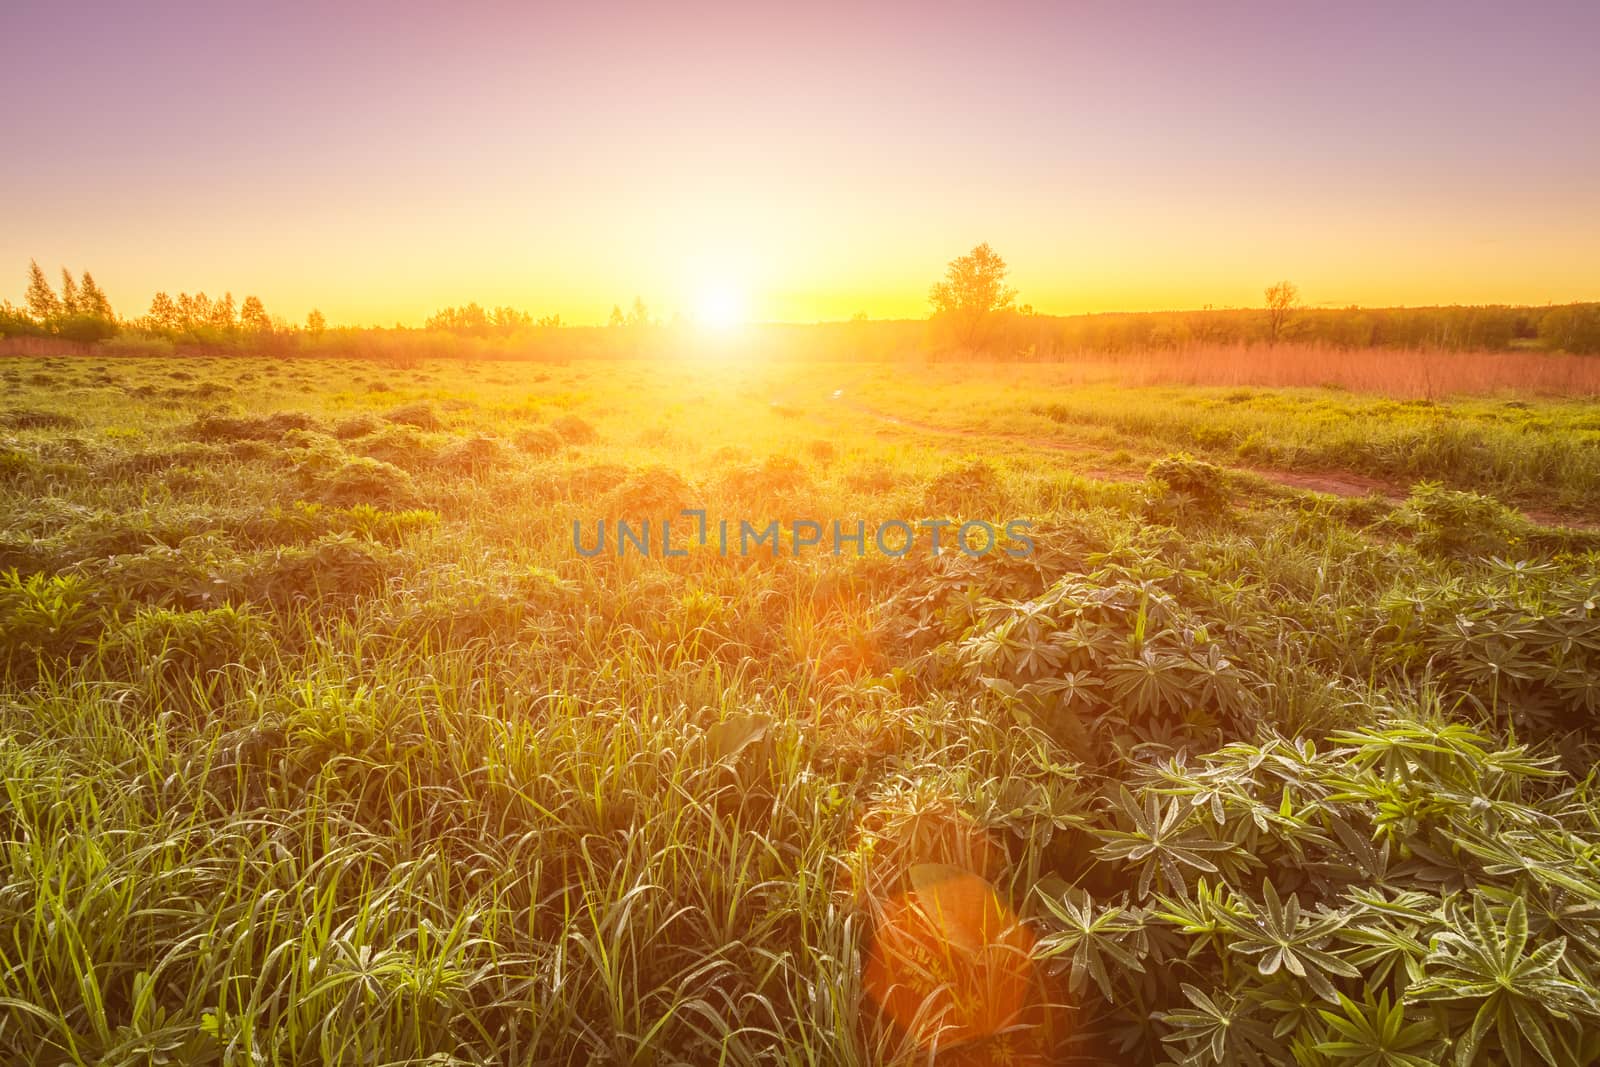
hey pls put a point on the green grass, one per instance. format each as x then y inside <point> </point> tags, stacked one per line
<point>320,744</point>
<point>1530,451</point>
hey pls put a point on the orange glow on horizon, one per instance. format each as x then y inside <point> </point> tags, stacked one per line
<point>577,157</point>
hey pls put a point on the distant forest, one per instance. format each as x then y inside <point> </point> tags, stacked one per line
<point>78,316</point>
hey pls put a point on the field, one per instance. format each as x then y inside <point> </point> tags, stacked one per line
<point>1272,739</point>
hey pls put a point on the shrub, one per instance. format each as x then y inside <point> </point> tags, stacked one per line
<point>653,492</point>
<point>126,344</point>
<point>538,441</point>
<point>1109,663</point>
<point>357,426</point>
<point>965,489</point>
<point>173,646</point>
<point>1515,642</point>
<point>572,481</point>
<point>1394,892</point>
<point>44,619</point>
<point>403,446</point>
<point>304,520</point>
<point>774,476</point>
<point>361,480</point>
<point>334,568</point>
<point>313,456</point>
<point>1460,525</point>
<point>22,467</point>
<point>474,455</point>
<point>872,478</point>
<point>199,572</point>
<point>451,606</point>
<point>1181,485</point>
<point>575,430</point>
<point>35,419</point>
<point>87,329</point>
<point>301,520</point>
<point>15,464</point>
<point>376,524</point>
<point>250,427</point>
<point>201,391</point>
<point>147,461</point>
<point>1258,447</point>
<point>422,416</point>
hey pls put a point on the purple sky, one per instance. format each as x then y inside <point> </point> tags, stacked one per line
<point>380,160</point>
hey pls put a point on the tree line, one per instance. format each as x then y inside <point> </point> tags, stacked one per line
<point>471,320</point>
<point>81,312</point>
<point>973,310</point>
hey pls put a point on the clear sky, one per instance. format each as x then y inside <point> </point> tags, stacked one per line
<point>380,160</point>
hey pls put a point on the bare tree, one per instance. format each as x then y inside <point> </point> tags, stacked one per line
<point>1282,300</point>
<point>973,291</point>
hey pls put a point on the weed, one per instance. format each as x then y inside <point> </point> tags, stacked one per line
<point>297,771</point>
<point>538,441</point>
<point>361,480</point>
<point>575,430</point>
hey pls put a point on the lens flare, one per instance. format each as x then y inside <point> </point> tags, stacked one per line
<point>950,964</point>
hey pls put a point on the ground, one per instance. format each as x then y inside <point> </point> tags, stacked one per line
<point>323,741</point>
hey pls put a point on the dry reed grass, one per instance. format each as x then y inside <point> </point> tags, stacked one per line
<point>1400,373</point>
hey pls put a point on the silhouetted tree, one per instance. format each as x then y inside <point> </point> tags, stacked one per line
<point>616,316</point>
<point>1282,300</point>
<point>253,316</point>
<point>224,315</point>
<point>194,310</point>
<point>69,294</point>
<point>92,300</point>
<point>509,320</point>
<point>1573,328</point>
<point>315,323</point>
<point>42,302</point>
<point>972,293</point>
<point>164,314</point>
<point>16,322</point>
<point>468,319</point>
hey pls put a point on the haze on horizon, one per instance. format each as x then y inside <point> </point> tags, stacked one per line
<point>380,161</point>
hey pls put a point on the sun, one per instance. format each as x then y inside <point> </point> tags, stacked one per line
<point>721,307</point>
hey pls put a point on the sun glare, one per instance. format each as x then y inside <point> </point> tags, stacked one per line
<point>721,307</point>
